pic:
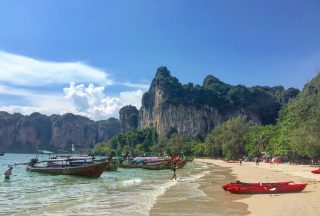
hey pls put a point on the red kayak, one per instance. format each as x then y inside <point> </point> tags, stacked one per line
<point>238,183</point>
<point>317,171</point>
<point>289,188</point>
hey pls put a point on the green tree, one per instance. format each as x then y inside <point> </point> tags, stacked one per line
<point>228,138</point>
<point>258,139</point>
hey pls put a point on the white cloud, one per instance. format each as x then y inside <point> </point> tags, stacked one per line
<point>92,102</point>
<point>136,85</point>
<point>25,71</point>
<point>132,98</point>
<point>37,102</point>
<point>88,100</point>
<point>44,102</point>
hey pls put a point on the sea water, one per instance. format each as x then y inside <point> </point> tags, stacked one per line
<point>126,191</point>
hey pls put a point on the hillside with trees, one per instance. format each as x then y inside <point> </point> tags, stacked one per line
<point>295,134</point>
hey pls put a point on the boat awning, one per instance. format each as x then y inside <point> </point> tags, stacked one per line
<point>79,158</point>
<point>55,160</point>
<point>44,152</point>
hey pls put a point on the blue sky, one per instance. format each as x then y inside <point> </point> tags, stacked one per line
<point>122,43</point>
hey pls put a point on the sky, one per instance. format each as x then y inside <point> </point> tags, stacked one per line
<point>93,57</point>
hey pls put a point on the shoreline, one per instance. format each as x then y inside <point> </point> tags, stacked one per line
<point>303,203</point>
<point>200,196</point>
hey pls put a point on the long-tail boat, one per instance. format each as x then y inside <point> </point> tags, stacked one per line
<point>112,166</point>
<point>181,163</point>
<point>80,166</point>
<point>136,162</point>
<point>165,164</point>
<point>2,153</point>
<point>155,163</point>
<point>131,164</point>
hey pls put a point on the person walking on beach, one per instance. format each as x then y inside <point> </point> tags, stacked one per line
<point>8,173</point>
<point>174,169</point>
<point>257,161</point>
<point>240,161</point>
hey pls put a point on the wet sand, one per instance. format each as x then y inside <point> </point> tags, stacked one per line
<point>304,203</point>
<point>202,196</point>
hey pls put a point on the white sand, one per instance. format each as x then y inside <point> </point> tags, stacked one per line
<point>304,203</point>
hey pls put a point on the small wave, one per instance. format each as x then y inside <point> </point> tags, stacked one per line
<point>163,188</point>
<point>196,176</point>
<point>131,182</point>
<point>158,192</point>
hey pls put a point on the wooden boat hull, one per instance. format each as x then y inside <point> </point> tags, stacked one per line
<point>155,166</point>
<point>317,171</point>
<point>130,166</point>
<point>93,170</point>
<point>164,165</point>
<point>112,167</point>
<point>294,188</point>
<point>180,164</point>
<point>167,164</point>
<point>226,186</point>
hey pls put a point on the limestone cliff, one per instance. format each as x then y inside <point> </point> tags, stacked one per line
<point>19,133</point>
<point>194,111</point>
<point>129,117</point>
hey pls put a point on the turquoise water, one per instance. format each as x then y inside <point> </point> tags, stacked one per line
<point>127,191</point>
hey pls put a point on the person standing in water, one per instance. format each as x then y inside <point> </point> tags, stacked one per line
<point>8,173</point>
<point>174,169</point>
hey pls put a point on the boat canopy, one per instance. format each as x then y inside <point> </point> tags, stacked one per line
<point>44,152</point>
<point>69,159</point>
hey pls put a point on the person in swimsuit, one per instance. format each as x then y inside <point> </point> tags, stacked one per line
<point>8,173</point>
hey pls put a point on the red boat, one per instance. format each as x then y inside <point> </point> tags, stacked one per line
<point>238,183</point>
<point>317,171</point>
<point>268,189</point>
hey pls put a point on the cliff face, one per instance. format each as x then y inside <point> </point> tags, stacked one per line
<point>194,111</point>
<point>188,120</point>
<point>129,117</point>
<point>20,133</point>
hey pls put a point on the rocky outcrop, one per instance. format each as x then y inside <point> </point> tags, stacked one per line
<point>194,111</point>
<point>188,120</point>
<point>19,133</point>
<point>129,117</point>
<point>8,125</point>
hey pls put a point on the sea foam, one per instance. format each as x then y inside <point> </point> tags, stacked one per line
<point>131,182</point>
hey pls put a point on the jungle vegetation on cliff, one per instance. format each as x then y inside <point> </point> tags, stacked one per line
<point>290,120</point>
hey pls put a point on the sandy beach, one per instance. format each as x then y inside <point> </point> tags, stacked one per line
<point>204,196</point>
<point>200,196</point>
<point>304,203</point>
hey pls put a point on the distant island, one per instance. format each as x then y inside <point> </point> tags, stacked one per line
<point>212,119</point>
